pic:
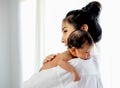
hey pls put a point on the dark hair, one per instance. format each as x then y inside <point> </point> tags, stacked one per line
<point>87,15</point>
<point>79,37</point>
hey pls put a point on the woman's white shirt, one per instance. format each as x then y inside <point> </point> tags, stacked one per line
<point>88,71</point>
<point>59,78</point>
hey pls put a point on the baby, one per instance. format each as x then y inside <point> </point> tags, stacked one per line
<point>79,45</point>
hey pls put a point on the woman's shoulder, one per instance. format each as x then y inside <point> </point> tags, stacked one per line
<point>75,62</point>
<point>95,50</point>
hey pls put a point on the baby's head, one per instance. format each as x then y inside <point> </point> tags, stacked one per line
<point>80,43</point>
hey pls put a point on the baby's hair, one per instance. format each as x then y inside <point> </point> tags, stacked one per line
<point>79,37</point>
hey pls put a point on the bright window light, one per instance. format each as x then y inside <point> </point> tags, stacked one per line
<point>28,23</point>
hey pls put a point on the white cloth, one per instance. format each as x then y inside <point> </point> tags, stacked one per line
<point>59,78</point>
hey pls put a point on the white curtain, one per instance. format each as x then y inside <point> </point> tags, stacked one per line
<point>10,63</point>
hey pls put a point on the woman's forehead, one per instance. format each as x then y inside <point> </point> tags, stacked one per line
<point>66,25</point>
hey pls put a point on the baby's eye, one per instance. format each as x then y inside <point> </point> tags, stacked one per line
<point>85,52</point>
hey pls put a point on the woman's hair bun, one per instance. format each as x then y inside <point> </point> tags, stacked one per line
<point>93,8</point>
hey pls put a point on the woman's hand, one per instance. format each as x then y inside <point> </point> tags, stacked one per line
<point>49,58</point>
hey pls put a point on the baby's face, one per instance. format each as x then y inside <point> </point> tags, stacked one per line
<point>84,52</point>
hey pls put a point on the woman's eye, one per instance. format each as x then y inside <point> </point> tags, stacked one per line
<point>65,31</point>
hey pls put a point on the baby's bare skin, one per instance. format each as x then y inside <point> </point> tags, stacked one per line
<point>55,61</point>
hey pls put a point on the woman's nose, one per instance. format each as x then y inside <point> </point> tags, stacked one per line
<point>62,40</point>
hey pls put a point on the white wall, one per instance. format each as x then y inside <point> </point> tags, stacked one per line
<point>10,73</point>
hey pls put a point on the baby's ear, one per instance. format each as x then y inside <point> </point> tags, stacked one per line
<point>72,51</point>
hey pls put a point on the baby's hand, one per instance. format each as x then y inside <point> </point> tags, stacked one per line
<point>76,77</point>
<point>49,58</point>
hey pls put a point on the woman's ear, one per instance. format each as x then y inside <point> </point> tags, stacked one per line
<point>73,51</point>
<point>84,27</point>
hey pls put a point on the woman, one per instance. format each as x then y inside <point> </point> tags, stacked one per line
<point>85,19</point>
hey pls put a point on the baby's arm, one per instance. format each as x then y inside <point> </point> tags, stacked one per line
<point>63,62</point>
<point>49,58</point>
<point>52,63</point>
